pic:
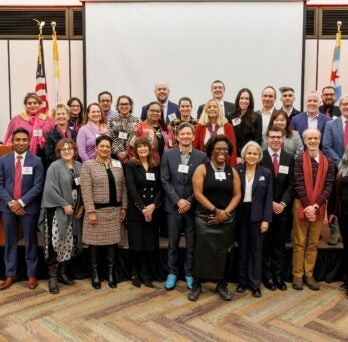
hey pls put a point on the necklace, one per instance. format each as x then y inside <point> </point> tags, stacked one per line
<point>217,169</point>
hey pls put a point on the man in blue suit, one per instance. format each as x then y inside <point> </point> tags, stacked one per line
<point>177,167</point>
<point>312,118</point>
<point>170,109</point>
<point>21,183</point>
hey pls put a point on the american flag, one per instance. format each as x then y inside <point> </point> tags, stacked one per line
<point>335,80</point>
<point>41,86</point>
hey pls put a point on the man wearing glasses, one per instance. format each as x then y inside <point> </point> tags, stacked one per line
<point>105,102</point>
<point>328,96</point>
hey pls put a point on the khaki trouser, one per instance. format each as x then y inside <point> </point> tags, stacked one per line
<point>306,236</point>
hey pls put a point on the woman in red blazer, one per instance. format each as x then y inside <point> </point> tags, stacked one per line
<point>212,122</point>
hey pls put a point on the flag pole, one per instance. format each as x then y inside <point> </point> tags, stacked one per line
<point>56,68</point>
<point>335,80</point>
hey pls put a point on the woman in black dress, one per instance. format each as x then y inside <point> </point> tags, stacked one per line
<point>144,199</point>
<point>217,189</point>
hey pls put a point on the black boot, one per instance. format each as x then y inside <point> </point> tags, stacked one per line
<point>144,273</point>
<point>134,259</point>
<point>111,257</point>
<point>196,290</point>
<point>94,266</point>
<point>52,280</point>
<point>222,290</point>
<point>62,275</point>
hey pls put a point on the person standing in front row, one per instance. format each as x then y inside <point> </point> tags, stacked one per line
<point>21,183</point>
<point>314,179</point>
<point>177,168</point>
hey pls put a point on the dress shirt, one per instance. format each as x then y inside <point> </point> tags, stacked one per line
<point>248,190</point>
<point>313,121</point>
<point>22,162</point>
<point>185,158</point>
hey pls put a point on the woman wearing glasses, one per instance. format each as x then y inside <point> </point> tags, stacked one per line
<point>76,113</point>
<point>121,126</point>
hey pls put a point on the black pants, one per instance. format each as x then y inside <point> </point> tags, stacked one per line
<point>343,223</point>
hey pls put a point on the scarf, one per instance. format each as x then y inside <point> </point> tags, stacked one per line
<point>66,134</point>
<point>101,130</point>
<point>37,123</point>
<point>212,131</point>
<point>313,193</point>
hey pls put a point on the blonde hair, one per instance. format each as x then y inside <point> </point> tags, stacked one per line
<point>60,105</point>
<point>204,119</point>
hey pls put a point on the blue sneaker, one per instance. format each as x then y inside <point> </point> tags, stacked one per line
<point>170,283</point>
<point>189,282</point>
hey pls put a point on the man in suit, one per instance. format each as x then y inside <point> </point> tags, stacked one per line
<point>314,180</point>
<point>335,142</point>
<point>170,109</point>
<point>105,103</point>
<point>21,183</point>
<point>287,98</point>
<point>328,96</point>
<point>177,167</point>
<point>281,165</point>
<point>312,118</point>
<point>268,97</point>
<point>218,91</point>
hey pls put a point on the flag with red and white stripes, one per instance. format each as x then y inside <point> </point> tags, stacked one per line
<point>41,85</point>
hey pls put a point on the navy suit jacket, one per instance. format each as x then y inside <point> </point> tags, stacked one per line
<point>333,141</point>
<point>177,185</point>
<point>229,108</point>
<point>283,184</point>
<point>171,108</point>
<point>300,123</point>
<point>262,193</point>
<point>31,184</point>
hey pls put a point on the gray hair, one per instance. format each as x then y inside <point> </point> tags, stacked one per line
<point>310,130</point>
<point>253,144</point>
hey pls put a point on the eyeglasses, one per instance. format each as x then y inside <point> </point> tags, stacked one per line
<point>275,137</point>
<point>68,149</point>
<point>156,111</point>
<point>75,106</point>
<point>124,104</point>
<point>330,94</point>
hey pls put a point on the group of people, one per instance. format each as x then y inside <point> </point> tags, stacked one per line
<point>233,176</point>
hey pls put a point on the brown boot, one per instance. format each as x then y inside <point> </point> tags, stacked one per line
<point>297,283</point>
<point>312,283</point>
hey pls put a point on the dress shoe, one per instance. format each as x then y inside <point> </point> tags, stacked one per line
<point>312,283</point>
<point>297,283</point>
<point>136,281</point>
<point>269,283</point>
<point>189,282</point>
<point>32,283</point>
<point>281,284</point>
<point>147,281</point>
<point>170,283</point>
<point>196,290</point>
<point>53,286</point>
<point>344,287</point>
<point>8,282</point>
<point>222,290</point>
<point>257,293</point>
<point>241,288</point>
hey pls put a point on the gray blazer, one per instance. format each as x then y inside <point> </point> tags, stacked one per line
<point>177,185</point>
<point>293,145</point>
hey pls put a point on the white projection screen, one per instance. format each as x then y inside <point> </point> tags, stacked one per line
<point>130,46</point>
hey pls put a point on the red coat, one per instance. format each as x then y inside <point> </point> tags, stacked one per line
<point>228,131</point>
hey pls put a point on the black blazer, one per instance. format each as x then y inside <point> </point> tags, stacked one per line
<point>262,193</point>
<point>283,184</point>
<point>293,113</point>
<point>177,185</point>
<point>228,107</point>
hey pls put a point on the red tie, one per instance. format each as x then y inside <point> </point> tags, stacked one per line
<point>346,134</point>
<point>328,113</point>
<point>275,164</point>
<point>17,190</point>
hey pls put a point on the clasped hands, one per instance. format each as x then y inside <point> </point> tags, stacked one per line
<point>16,208</point>
<point>310,213</point>
<point>217,218</point>
<point>147,212</point>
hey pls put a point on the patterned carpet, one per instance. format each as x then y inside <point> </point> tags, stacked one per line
<point>80,313</point>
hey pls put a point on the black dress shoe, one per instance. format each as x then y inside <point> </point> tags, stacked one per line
<point>269,283</point>
<point>256,293</point>
<point>195,291</point>
<point>222,290</point>
<point>136,281</point>
<point>241,288</point>
<point>147,281</point>
<point>281,284</point>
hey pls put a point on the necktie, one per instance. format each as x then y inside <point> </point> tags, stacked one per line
<point>328,112</point>
<point>346,134</point>
<point>275,164</point>
<point>17,190</point>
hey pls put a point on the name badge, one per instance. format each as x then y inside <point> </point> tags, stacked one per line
<point>116,163</point>
<point>123,135</point>
<point>172,116</point>
<point>27,170</point>
<point>335,117</point>
<point>236,121</point>
<point>150,176</point>
<point>37,133</point>
<point>170,143</point>
<point>220,175</point>
<point>183,168</point>
<point>283,169</point>
<point>262,178</point>
<point>77,181</point>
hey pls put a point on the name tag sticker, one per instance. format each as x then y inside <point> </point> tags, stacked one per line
<point>37,133</point>
<point>262,178</point>
<point>220,175</point>
<point>77,181</point>
<point>116,163</point>
<point>170,143</point>
<point>123,135</point>
<point>183,168</point>
<point>283,169</point>
<point>236,121</point>
<point>27,170</point>
<point>172,116</point>
<point>150,176</point>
